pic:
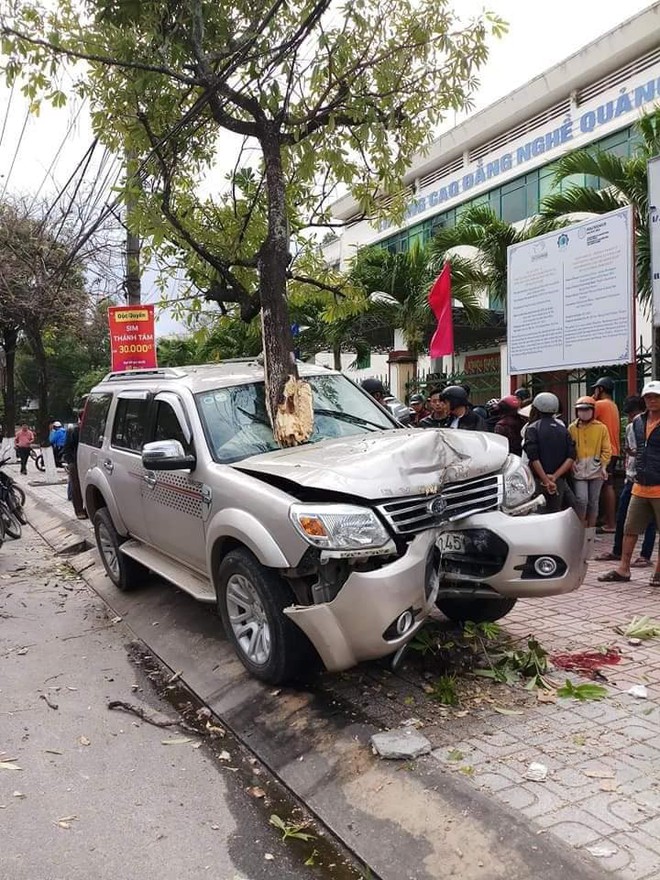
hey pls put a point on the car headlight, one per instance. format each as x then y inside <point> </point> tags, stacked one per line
<point>519,485</point>
<point>339,526</point>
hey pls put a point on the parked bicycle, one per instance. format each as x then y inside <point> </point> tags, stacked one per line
<point>38,459</point>
<point>12,500</point>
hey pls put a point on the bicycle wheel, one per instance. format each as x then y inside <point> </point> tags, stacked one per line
<point>19,494</point>
<point>16,505</point>
<point>13,528</point>
<point>39,463</point>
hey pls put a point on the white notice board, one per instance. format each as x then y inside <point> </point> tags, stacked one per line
<point>570,296</point>
<point>654,233</point>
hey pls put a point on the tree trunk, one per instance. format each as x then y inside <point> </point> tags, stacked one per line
<point>288,399</point>
<point>39,352</point>
<point>9,341</point>
<point>336,355</point>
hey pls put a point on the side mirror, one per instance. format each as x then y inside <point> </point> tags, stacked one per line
<point>166,455</point>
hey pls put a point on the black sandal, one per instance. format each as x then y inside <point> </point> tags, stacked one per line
<point>614,577</point>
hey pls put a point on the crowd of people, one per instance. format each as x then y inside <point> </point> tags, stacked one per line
<point>573,460</point>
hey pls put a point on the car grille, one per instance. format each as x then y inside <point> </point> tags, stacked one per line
<point>408,516</point>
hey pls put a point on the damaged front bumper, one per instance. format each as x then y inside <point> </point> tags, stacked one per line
<point>360,622</point>
<point>498,553</point>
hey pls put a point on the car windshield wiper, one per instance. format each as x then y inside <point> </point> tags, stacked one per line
<point>347,417</point>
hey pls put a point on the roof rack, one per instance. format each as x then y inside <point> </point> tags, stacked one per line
<point>160,372</point>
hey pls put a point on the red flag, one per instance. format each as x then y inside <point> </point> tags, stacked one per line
<point>440,302</point>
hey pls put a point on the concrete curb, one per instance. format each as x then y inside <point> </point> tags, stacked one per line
<point>407,822</point>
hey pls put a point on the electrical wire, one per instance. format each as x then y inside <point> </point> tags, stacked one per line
<point>58,152</point>
<point>13,161</point>
<point>4,124</point>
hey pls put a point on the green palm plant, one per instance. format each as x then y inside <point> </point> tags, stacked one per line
<point>623,182</point>
<point>405,278</point>
<point>484,267</point>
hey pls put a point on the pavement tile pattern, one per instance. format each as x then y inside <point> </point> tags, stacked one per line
<point>602,790</point>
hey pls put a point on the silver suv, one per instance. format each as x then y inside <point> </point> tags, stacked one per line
<point>337,549</point>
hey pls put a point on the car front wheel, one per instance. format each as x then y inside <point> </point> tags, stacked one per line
<point>251,600</point>
<point>124,572</point>
<point>476,610</point>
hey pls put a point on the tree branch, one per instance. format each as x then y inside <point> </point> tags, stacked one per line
<point>99,59</point>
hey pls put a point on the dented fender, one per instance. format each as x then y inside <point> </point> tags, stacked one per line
<point>249,531</point>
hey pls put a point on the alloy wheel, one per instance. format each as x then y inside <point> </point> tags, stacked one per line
<point>248,619</point>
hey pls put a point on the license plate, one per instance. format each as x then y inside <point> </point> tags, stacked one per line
<point>451,542</point>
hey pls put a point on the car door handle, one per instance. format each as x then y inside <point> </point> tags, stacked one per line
<point>108,465</point>
<point>150,480</point>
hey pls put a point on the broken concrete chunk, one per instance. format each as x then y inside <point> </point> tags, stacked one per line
<point>640,691</point>
<point>400,745</point>
<point>537,772</point>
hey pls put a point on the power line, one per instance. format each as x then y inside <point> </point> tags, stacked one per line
<point>88,151</point>
<point>4,124</point>
<point>59,151</point>
<point>18,146</point>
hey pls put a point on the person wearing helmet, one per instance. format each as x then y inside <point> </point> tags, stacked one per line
<point>594,451</point>
<point>607,412</point>
<point>524,395</point>
<point>644,505</point>
<point>510,423</point>
<point>419,410</point>
<point>57,439</point>
<point>460,414</point>
<point>375,388</point>
<point>549,450</point>
<point>633,406</point>
<point>438,411</point>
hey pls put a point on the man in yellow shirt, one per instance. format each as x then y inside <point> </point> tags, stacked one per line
<point>607,412</point>
<point>645,501</point>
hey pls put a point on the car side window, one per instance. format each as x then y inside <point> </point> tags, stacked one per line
<point>167,425</point>
<point>129,424</point>
<point>94,419</point>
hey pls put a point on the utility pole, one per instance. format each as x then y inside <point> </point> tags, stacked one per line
<point>133,281</point>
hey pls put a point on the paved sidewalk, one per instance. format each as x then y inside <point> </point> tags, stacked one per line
<point>602,792</point>
<point>90,793</point>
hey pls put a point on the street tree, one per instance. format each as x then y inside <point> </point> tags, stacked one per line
<point>622,181</point>
<point>321,98</point>
<point>41,291</point>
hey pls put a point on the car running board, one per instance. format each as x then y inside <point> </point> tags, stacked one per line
<point>180,575</point>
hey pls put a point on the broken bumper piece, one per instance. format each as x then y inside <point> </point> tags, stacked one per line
<point>360,623</point>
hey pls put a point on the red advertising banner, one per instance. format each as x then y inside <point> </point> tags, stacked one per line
<point>132,338</point>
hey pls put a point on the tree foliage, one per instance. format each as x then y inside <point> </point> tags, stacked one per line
<point>42,291</point>
<point>477,247</point>
<point>320,97</point>
<point>623,181</point>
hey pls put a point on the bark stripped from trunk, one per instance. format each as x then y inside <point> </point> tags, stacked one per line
<point>288,398</point>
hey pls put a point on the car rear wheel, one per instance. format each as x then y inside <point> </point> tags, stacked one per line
<point>476,610</point>
<point>124,572</point>
<point>251,600</point>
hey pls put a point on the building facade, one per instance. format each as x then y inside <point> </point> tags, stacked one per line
<point>505,156</point>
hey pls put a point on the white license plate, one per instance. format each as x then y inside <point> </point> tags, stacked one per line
<point>451,542</point>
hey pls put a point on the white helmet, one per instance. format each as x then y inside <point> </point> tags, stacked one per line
<point>652,387</point>
<point>545,402</point>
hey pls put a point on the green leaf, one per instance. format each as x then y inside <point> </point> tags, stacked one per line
<point>582,692</point>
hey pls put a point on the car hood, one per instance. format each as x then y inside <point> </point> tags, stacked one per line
<point>386,464</point>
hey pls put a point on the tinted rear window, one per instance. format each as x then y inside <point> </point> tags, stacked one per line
<point>94,419</point>
<point>129,424</point>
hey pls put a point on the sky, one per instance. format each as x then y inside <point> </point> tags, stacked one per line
<point>540,35</point>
